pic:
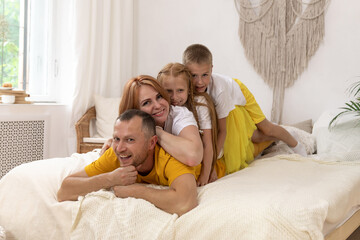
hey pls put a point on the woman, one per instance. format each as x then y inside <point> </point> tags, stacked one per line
<point>177,129</point>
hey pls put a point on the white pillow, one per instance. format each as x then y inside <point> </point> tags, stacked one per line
<point>2,233</point>
<point>343,137</point>
<point>107,110</point>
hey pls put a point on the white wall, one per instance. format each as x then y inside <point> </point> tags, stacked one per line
<point>166,27</point>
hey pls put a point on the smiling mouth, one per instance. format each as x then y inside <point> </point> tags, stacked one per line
<point>159,114</point>
<point>125,159</point>
<point>125,156</point>
<point>200,89</point>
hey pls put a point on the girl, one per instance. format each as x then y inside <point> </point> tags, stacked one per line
<point>177,81</point>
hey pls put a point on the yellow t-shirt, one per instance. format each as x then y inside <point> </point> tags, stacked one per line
<point>166,168</point>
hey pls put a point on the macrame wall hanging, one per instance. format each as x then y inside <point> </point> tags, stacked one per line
<point>279,38</point>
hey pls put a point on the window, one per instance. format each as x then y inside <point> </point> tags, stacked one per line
<point>40,67</point>
<point>26,60</point>
<point>12,39</point>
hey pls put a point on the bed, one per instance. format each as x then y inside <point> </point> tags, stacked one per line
<point>279,196</point>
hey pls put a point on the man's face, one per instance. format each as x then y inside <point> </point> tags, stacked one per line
<point>201,74</point>
<point>130,144</point>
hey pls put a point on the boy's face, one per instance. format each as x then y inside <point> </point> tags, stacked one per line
<point>201,75</point>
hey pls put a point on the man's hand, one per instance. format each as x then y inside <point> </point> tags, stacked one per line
<point>106,146</point>
<point>179,198</point>
<point>79,184</point>
<point>127,191</point>
<point>124,176</point>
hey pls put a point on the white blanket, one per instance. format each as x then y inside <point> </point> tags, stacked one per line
<point>28,205</point>
<point>284,197</point>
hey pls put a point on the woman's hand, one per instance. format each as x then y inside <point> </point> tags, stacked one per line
<point>106,146</point>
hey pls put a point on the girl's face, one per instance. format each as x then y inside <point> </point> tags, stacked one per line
<point>151,101</point>
<point>177,89</point>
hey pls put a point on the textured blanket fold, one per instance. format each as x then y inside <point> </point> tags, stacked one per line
<point>283,197</point>
<point>101,215</point>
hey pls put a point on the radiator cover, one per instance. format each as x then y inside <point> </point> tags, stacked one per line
<point>21,142</point>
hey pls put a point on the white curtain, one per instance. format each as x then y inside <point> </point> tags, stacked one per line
<point>102,37</point>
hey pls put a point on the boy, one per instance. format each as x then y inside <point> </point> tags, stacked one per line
<point>244,130</point>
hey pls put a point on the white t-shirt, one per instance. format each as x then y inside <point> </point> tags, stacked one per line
<point>225,93</point>
<point>203,113</point>
<point>179,118</point>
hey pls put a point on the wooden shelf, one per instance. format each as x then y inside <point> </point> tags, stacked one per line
<point>20,95</point>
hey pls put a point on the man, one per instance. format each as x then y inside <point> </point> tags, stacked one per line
<point>134,156</point>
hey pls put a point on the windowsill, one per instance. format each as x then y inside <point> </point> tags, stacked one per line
<point>34,109</point>
<point>34,104</point>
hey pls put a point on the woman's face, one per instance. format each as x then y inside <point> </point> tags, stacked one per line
<point>152,102</point>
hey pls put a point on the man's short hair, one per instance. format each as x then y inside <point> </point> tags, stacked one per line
<point>197,53</point>
<point>148,122</point>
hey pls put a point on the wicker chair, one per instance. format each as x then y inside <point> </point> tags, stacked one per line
<point>83,130</point>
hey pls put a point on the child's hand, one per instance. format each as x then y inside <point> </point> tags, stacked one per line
<point>213,176</point>
<point>202,180</point>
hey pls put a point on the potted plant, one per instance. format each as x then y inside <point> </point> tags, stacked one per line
<point>351,107</point>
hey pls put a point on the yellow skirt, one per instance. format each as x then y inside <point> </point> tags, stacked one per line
<point>239,150</point>
<point>220,168</point>
<point>238,147</point>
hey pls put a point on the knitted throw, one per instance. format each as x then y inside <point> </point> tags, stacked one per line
<point>279,38</point>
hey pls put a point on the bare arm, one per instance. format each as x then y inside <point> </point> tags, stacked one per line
<point>221,134</point>
<point>80,184</point>
<point>207,159</point>
<point>186,147</point>
<point>179,198</point>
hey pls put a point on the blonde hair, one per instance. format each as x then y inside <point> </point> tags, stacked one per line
<point>178,69</point>
<point>175,70</point>
<point>130,98</point>
<point>214,123</point>
<point>197,53</point>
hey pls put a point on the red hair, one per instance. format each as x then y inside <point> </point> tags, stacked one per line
<point>130,97</point>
